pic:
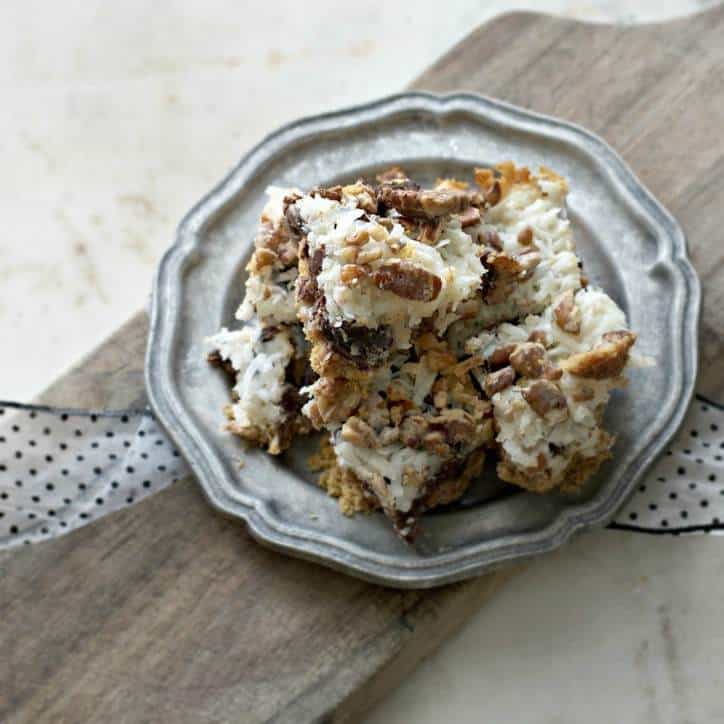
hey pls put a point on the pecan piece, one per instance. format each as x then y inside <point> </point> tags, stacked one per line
<point>529,359</point>
<point>352,274</point>
<point>544,397</point>
<point>470,217</point>
<point>429,203</point>
<point>491,238</point>
<point>407,281</point>
<point>501,356</point>
<point>525,237</point>
<point>605,360</point>
<point>497,381</point>
<point>567,313</point>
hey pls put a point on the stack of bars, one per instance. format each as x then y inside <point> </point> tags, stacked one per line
<point>420,329</point>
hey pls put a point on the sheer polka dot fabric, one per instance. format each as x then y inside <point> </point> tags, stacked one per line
<point>684,491</point>
<point>61,469</point>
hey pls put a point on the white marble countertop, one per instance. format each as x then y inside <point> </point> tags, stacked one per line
<point>117,117</point>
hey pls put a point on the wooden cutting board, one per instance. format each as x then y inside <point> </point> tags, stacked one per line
<point>167,612</point>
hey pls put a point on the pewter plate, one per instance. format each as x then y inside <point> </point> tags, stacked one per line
<point>630,245</point>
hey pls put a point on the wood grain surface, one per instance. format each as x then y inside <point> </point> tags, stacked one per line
<point>167,612</point>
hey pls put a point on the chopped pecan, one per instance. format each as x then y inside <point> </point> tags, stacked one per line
<point>497,381</point>
<point>491,238</point>
<point>359,238</point>
<point>429,231</point>
<point>567,313</point>
<point>605,360</point>
<point>470,217</point>
<point>539,336</point>
<point>501,356</point>
<point>359,433</point>
<point>525,237</point>
<point>429,203</point>
<point>407,281</point>
<point>528,262</point>
<point>352,274</point>
<point>529,359</point>
<point>333,193</point>
<point>543,396</point>
<point>392,174</point>
<point>315,263</point>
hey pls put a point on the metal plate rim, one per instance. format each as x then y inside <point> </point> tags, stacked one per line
<point>422,573</point>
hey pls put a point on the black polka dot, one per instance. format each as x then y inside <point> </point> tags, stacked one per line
<point>81,486</point>
<point>704,504</point>
<point>699,461</point>
<point>15,428</point>
<point>661,480</point>
<point>653,506</point>
<point>97,471</point>
<point>175,453</point>
<point>18,454</point>
<point>112,456</point>
<point>79,458</point>
<point>51,513</point>
<point>715,521</point>
<point>4,495</point>
<point>33,414</point>
<point>124,418</point>
<point>31,443</point>
<point>2,515</point>
<point>78,433</point>
<point>684,514</point>
<point>94,418</point>
<point>31,516</point>
<point>159,442</point>
<point>129,499</point>
<point>141,433</point>
<point>35,498</point>
<point>3,467</point>
<point>67,501</point>
<point>161,468</point>
<point>706,444</point>
<point>673,496</point>
<point>129,469</point>
<point>712,478</point>
<point>63,524</point>
<point>84,515</point>
<point>114,484</point>
<point>146,483</point>
<point>126,443</point>
<point>64,417</point>
<point>48,458</point>
<point>2,439</point>
<point>46,431</point>
<point>664,523</point>
<point>694,433</point>
<point>99,501</point>
<point>63,446</point>
<point>49,486</point>
<point>14,529</point>
<point>33,471</point>
<point>63,472</point>
<point>94,445</point>
<point>692,486</point>
<point>687,452</point>
<point>109,434</point>
<point>18,483</point>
